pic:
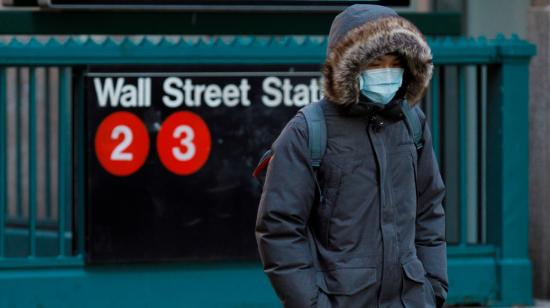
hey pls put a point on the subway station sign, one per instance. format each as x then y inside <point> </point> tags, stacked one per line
<point>171,151</point>
<point>213,4</point>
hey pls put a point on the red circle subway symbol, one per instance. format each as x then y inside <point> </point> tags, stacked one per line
<point>183,143</point>
<point>121,143</point>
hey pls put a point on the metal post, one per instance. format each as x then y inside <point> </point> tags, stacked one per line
<point>462,161</point>
<point>65,163</point>
<point>47,149</point>
<point>435,100</point>
<point>32,161</point>
<point>3,159</point>
<point>18,144</point>
<point>507,169</point>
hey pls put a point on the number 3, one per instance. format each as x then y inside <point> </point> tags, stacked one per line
<point>183,143</point>
<point>186,142</point>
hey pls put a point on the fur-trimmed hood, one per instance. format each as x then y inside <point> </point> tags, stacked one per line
<point>363,32</point>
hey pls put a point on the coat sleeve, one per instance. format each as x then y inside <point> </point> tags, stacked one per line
<point>283,213</point>
<point>430,241</point>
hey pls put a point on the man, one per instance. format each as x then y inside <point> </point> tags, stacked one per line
<point>376,237</point>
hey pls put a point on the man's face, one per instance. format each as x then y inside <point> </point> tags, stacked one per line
<point>387,60</point>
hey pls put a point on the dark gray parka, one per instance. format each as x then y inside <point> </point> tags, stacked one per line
<point>377,238</point>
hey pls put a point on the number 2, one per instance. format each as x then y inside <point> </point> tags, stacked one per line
<point>118,152</point>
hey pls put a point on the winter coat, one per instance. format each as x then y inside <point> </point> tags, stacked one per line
<point>377,238</point>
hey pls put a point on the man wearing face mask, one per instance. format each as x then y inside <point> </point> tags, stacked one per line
<point>376,235</point>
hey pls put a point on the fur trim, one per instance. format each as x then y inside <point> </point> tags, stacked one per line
<point>369,41</point>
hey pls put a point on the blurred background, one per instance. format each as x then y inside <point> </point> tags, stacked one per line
<point>95,212</point>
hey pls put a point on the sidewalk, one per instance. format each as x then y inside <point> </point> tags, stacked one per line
<point>542,303</point>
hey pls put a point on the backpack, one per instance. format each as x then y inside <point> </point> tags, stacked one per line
<point>317,136</point>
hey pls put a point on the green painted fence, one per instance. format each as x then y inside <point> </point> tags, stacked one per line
<point>477,105</point>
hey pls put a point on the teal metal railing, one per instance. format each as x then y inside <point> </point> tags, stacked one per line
<point>34,229</point>
<point>477,107</point>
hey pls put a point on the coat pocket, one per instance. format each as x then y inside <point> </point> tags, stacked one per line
<point>346,281</point>
<point>417,291</point>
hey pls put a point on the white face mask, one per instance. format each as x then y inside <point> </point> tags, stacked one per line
<point>381,84</point>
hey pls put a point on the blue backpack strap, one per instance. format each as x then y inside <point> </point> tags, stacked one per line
<point>317,136</point>
<point>317,131</point>
<point>413,123</point>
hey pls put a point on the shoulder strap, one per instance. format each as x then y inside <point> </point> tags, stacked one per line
<point>317,131</point>
<point>317,136</point>
<point>413,123</point>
